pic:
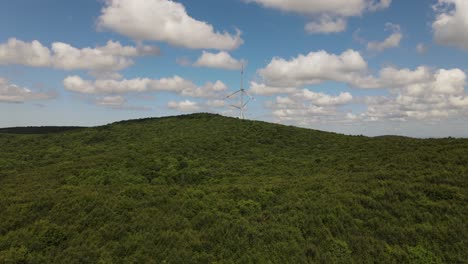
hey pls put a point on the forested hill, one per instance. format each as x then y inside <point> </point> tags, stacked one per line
<point>205,188</point>
<point>36,130</point>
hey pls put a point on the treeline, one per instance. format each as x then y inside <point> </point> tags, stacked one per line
<point>37,130</point>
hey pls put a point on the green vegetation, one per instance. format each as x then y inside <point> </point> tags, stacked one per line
<point>210,189</point>
<point>37,130</point>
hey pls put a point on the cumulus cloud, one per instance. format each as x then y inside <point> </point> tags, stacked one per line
<point>209,90</point>
<point>174,84</point>
<point>326,24</point>
<point>305,107</point>
<point>451,24</point>
<point>221,60</point>
<point>77,84</point>
<point>18,52</point>
<point>396,78</point>
<point>211,106</point>
<point>282,76</point>
<point>379,5</point>
<point>314,68</point>
<point>392,41</point>
<point>111,57</point>
<point>263,89</point>
<point>327,16</point>
<point>420,94</point>
<point>184,106</point>
<point>322,99</point>
<point>459,101</point>
<point>420,80</point>
<point>304,116</point>
<point>338,7</point>
<point>101,59</point>
<point>11,93</point>
<point>164,20</point>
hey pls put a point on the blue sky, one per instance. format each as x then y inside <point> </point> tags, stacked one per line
<point>357,72</point>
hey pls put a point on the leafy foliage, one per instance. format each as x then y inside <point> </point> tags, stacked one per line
<point>209,189</point>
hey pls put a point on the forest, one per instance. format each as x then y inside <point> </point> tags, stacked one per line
<point>205,188</point>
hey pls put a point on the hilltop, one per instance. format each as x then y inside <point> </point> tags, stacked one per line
<point>205,188</point>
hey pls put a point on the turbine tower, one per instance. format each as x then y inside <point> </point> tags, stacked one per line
<point>244,97</point>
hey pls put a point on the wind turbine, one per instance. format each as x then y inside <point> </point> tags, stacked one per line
<point>243,93</point>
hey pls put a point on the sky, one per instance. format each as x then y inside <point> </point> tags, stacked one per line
<point>371,67</point>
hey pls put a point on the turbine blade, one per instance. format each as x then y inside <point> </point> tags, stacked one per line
<point>236,92</point>
<point>235,106</point>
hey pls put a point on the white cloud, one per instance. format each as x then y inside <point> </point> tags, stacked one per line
<point>422,80</point>
<point>282,76</point>
<point>216,103</point>
<point>328,16</point>
<point>421,48</point>
<point>414,94</point>
<point>392,41</point>
<point>164,20</point>
<point>305,107</point>
<point>379,5</point>
<point>451,24</point>
<point>326,24</point>
<point>322,99</point>
<point>393,77</point>
<point>314,68</point>
<point>284,102</point>
<point>111,57</point>
<point>23,53</point>
<point>112,101</point>
<point>422,94</point>
<point>11,93</point>
<point>184,106</point>
<point>312,108</point>
<point>304,116</point>
<point>263,89</point>
<point>209,90</point>
<point>174,84</point>
<point>70,58</point>
<point>344,8</point>
<point>211,106</point>
<point>101,59</point>
<point>221,60</point>
<point>459,101</point>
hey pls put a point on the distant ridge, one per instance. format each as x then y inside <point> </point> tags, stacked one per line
<point>38,130</point>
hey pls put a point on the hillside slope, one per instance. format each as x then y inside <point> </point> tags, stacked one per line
<point>204,188</point>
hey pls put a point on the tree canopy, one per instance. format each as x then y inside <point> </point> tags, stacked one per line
<point>205,188</point>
